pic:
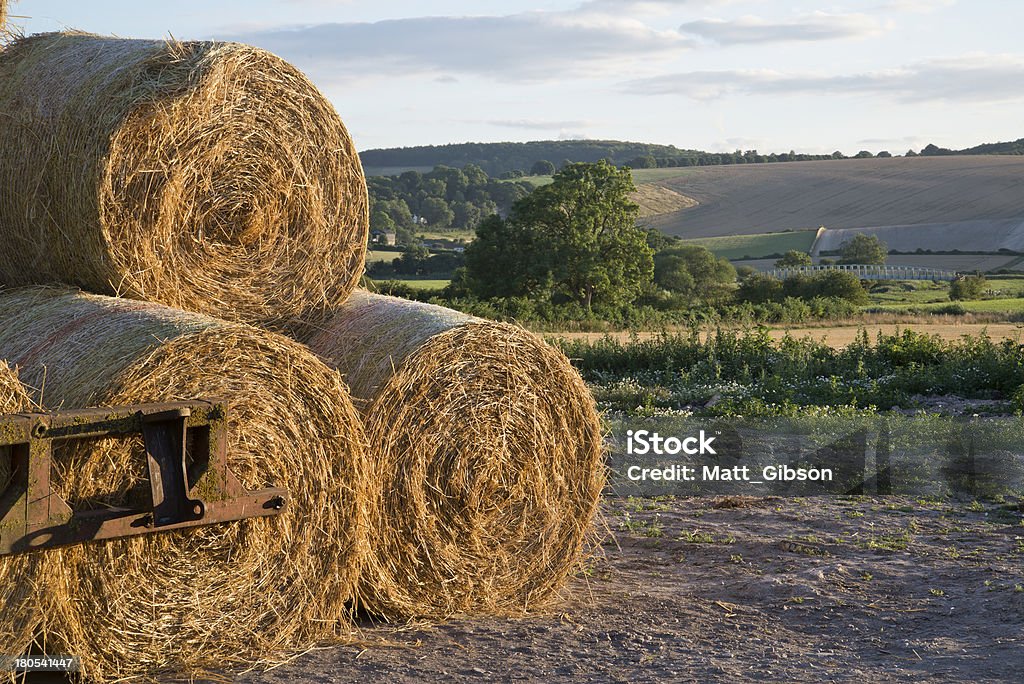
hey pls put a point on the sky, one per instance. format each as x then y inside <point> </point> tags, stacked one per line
<point>716,75</point>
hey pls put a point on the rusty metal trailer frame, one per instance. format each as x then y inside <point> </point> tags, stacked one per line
<point>186,456</point>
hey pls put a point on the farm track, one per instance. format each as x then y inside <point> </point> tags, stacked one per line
<point>848,193</point>
<point>742,589</point>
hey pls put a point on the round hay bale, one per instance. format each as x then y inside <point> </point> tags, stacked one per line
<point>212,177</point>
<point>210,596</point>
<point>487,449</point>
<point>19,605</point>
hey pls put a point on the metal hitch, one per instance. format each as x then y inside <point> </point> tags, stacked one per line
<point>186,455</point>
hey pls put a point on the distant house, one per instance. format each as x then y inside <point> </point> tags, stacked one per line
<point>383,237</point>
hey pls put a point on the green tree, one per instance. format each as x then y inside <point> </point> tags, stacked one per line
<point>838,285</point>
<point>437,212</point>
<point>586,223</point>
<point>500,262</point>
<point>542,167</point>
<point>863,249</point>
<point>413,260</point>
<point>576,238</point>
<point>380,219</point>
<point>759,288</point>
<point>968,287</point>
<point>466,215</point>
<point>794,259</point>
<point>695,273</point>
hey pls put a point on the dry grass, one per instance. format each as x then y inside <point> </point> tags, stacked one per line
<point>655,200</point>
<point>19,606</point>
<point>487,447</point>
<point>212,177</point>
<point>3,13</point>
<point>213,596</point>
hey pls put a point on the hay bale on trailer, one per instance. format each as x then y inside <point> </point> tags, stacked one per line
<point>486,448</point>
<point>19,605</point>
<point>213,595</point>
<point>212,177</point>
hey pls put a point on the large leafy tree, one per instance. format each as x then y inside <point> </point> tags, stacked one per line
<point>576,238</point>
<point>794,259</point>
<point>863,249</point>
<point>695,273</point>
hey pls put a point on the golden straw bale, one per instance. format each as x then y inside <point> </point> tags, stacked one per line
<point>212,596</point>
<point>19,606</point>
<point>486,445</point>
<point>212,177</point>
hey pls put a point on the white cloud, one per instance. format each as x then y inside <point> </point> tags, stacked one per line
<point>530,46</point>
<point>970,78</point>
<point>813,27</point>
<point>537,125</point>
<point>914,6</point>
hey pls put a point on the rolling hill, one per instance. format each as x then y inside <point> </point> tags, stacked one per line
<point>850,193</point>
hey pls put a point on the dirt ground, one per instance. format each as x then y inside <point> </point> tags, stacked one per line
<point>743,589</point>
<point>840,336</point>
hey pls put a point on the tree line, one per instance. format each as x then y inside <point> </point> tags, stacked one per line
<point>445,198</point>
<point>508,158</point>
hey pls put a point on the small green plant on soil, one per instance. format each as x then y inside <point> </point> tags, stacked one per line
<point>887,542</point>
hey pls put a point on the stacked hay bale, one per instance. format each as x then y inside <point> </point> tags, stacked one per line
<point>19,603</point>
<point>212,177</point>
<point>181,601</point>
<point>487,447</point>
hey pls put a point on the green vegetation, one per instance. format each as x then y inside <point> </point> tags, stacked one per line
<point>760,288</point>
<point>794,259</point>
<point>693,275</point>
<point>444,201</point>
<point>748,373</point>
<point>863,249</point>
<point>968,287</point>
<point>757,245</point>
<point>510,158</point>
<point>575,240</point>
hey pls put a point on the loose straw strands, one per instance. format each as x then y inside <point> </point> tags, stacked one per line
<point>212,177</point>
<point>210,596</point>
<point>20,615</point>
<point>487,447</point>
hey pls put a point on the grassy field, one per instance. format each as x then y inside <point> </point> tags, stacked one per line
<point>373,256</point>
<point>424,283</point>
<point>757,245</point>
<point>847,193</point>
<point>1009,305</point>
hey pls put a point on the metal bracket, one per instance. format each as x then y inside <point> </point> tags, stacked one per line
<point>186,456</point>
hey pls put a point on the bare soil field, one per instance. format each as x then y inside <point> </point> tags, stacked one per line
<point>841,336</point>
<point>739,589</point>
<point>846,193</point>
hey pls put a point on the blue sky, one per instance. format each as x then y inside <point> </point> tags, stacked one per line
<point>709,74</point>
